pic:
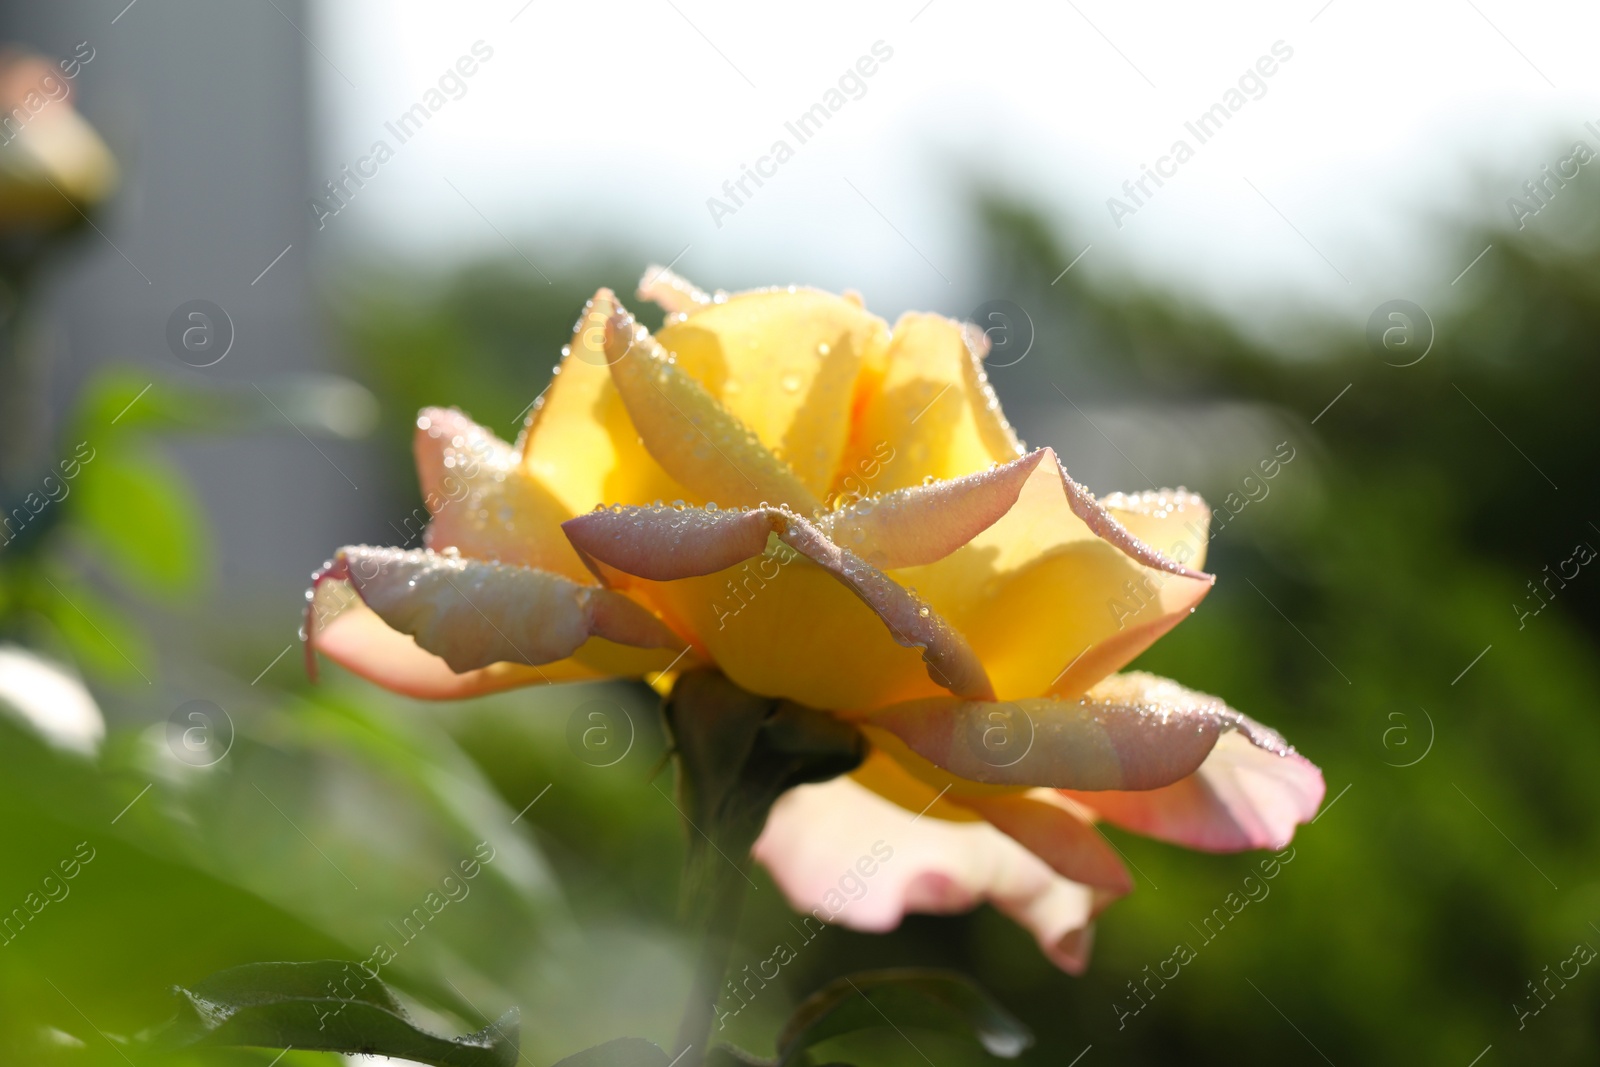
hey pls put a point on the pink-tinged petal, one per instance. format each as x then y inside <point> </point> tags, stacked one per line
<point>358,640</point>
<point>925,523</point>
<point>821,840</point>
<point>483,502</point>
<point>1174,522</point>
<point>1242,797</point>
<point>1056,593</point>
<point>1132,731</point>
<point>578,440</point>
<point>1058,832</point>
<point>668,544</point>
<point>694,438</point>
<point>673,293</point>
<point>472,613</point>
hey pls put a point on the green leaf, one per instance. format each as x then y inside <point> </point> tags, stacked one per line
<point>102,639</point>
<point>138,511</point>
<point>733,1056</point>
<point>925,999</point>
<point>126,400</point>
<point>621,1052</point>
<point>325,1006</point>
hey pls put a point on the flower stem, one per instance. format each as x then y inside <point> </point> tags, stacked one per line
<point>736,753</point>
<point>723,904</point>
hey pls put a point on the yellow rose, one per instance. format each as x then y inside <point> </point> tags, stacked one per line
<point>835,513</point>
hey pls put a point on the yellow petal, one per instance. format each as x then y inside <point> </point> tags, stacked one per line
<point>673,293</point>
<point>823,627</point>
<point>1056,594</point>
<point>484,503</point>
<point>694,438</point>
<point>578,439</point>
<point>1174,522</point>
<point>1059,832</point>
<point>925,523</point>
<point>887,776</point>
<point>785,363</point>
<point>932,413</point>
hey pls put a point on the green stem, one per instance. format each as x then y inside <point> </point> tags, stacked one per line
<point>720,896</point>
<point>736,753</point>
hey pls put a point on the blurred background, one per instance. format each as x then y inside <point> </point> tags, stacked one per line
<point>1381,259</point>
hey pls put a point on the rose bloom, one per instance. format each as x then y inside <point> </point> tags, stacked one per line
<point>835,513</point>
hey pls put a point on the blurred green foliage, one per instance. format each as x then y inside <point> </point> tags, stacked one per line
<point>1350,604</point>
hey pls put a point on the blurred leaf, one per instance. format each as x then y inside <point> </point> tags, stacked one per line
<point>622,1052</point>
<point>100,637</point>
<point>732,1056</point>
<point>926,999</point>
<point>322,405</point>
<point>294,1005</point>
<point>138,510</point>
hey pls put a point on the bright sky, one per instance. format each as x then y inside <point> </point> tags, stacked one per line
<point>598,119</point>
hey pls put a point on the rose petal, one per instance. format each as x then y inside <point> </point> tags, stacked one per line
<point>1174,522</point>
<point>817,837</point>
<point>785,364</point>
<point>1057,832</point>
<point>578,440</point>
<point>923,524</point>
<point>473,613</point>
<point>1056,594</point>
<point>1131,732</point>
<point>933,410</point>
<point>694,438</point>
<point>358,640</point>
<point>667,545</point>
<point>483,502</point>
<point>672,292</point>
<point>1242,797</point>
